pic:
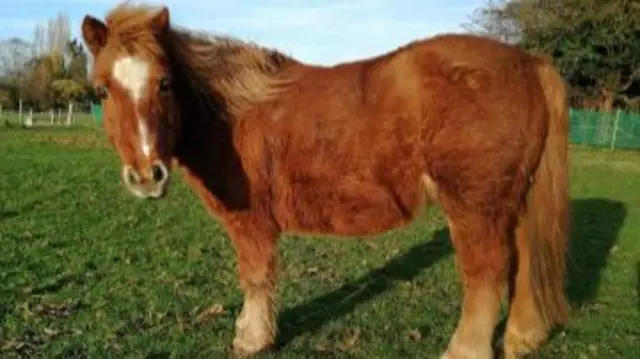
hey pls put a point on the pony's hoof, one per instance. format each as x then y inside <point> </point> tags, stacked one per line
<point>514,346</point>
<point>245,349</point>
<point>244,353</point>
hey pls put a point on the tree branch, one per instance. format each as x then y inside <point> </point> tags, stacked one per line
<point>635,75</point>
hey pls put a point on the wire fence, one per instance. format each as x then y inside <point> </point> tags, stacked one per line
<point>615,130</point>
<point>96,112</point>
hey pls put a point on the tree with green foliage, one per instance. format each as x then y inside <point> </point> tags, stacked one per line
<point>50,71</point>
<point>595,43</point>
<point>65,91</point>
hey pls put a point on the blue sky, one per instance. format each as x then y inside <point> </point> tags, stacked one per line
<point>315,31</point>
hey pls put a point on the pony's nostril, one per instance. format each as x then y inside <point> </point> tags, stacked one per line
<point>158,172</point>
<point>131,176</point>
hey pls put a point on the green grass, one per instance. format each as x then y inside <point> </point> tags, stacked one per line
<point>88,271</point>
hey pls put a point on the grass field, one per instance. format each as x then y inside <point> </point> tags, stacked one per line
<point>88,271</point>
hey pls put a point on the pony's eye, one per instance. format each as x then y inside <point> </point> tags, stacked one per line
<point>102,92</point>
<point>164,85</point>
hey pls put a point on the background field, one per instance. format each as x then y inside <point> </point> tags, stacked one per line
<point>88,271</point>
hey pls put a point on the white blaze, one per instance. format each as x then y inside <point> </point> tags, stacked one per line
<point>133,74</point>
<point>144,136</point>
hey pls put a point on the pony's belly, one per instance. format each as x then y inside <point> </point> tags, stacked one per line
<point>348,208</point>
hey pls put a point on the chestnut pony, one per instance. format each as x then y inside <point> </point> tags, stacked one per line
<point>273,145</point>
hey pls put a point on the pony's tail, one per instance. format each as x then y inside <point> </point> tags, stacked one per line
<point>545,221</point>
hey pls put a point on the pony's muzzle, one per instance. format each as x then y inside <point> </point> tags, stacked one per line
<point>150,183</point>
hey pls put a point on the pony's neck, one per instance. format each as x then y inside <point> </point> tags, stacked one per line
<point>227,74</point>
<point>216,79</point>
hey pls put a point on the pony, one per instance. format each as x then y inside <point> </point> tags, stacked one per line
<point>273,145</point>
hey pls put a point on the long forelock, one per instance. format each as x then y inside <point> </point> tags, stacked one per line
<point>127,18</point>
<point>129,32</point>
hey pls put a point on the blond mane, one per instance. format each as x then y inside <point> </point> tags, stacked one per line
<point>241,73</point>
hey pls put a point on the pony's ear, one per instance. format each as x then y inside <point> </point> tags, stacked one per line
<point>94,33</point>
<point>160,21</point>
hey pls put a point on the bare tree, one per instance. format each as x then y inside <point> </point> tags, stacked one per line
<point>14,55</point>
<point>39,42</point>
<point>495,19</point>
<point>58,34</point>
<point>513,20</point>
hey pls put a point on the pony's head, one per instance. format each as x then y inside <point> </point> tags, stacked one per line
<point>132,78</point>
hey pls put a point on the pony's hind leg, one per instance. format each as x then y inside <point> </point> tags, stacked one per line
<point>483,255</point>
<point>256,251</point>
<point>526,329</point>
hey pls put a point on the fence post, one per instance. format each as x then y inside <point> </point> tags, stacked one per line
<point>70,114</point>
<point>28,122</point>
<point>615,130</point>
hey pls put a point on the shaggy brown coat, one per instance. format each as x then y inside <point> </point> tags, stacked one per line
<point>273,145</point>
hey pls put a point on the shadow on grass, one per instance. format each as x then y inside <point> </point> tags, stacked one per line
<point>596,223</point>
<point>312,315</point>
<point>638,285</point>
<point>595,226</point>
<point>6,214</point>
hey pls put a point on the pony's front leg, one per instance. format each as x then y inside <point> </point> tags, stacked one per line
<point>256,250</point>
